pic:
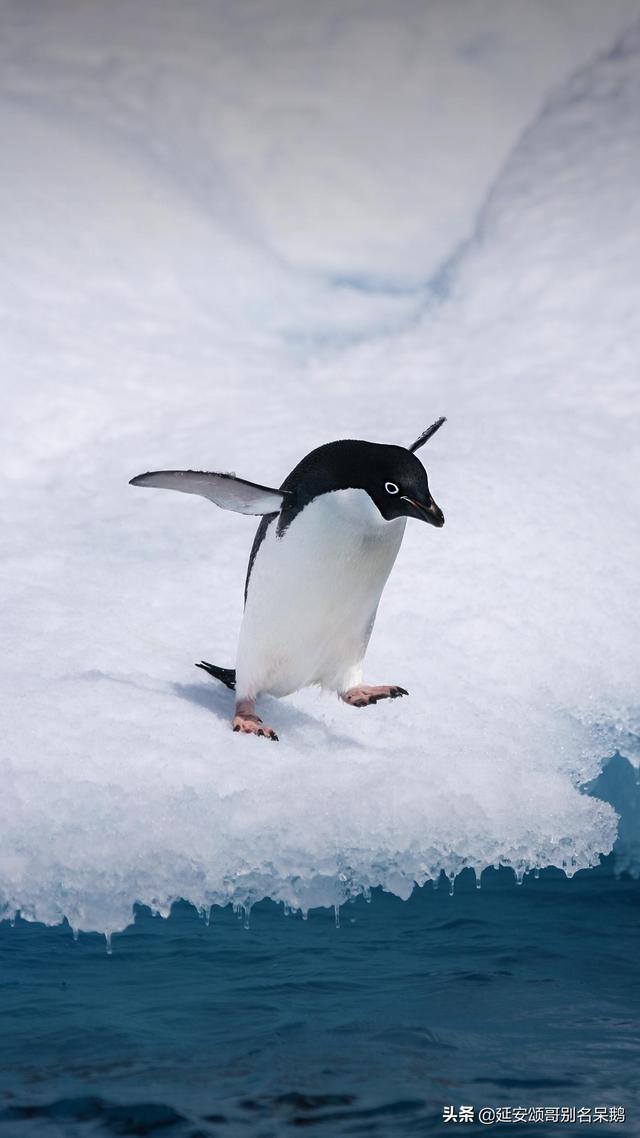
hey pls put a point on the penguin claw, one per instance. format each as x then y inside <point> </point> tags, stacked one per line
<point>251,725</point>
<point>366,696</point>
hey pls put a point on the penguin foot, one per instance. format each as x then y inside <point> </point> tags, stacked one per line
<point>365,695</point>
<point>252,725</point>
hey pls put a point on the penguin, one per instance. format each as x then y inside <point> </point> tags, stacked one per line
<point>325,545</point>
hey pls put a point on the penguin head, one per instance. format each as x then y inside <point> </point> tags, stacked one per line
<point>392,476</point>
<point>399,486</point>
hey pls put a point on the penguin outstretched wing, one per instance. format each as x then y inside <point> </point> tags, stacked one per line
<point>227,491</point>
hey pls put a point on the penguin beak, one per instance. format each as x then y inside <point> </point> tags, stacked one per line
<point>425,512</point>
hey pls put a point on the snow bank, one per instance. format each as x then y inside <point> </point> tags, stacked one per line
<point>168,301</point>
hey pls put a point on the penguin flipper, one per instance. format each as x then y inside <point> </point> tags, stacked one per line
<point>426,435</point>
<point>227,491</point>
<point>227,676</point>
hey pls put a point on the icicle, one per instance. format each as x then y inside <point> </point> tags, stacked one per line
<point>75,932</point>
<point>519,876</point>
<point>452,884</point>
<point>336,910</point>
<point>246,916</point>
<point>107,938</point>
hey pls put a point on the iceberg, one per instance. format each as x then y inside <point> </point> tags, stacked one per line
<point>160,311</point>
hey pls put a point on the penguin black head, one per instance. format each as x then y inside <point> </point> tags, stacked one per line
<point>399,486</point>
<point>392,476</point>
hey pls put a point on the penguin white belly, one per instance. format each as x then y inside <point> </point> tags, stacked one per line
<point>313,595</point>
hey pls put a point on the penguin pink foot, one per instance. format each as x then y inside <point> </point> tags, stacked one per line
<point>365,694</point>
<point>246,721</point>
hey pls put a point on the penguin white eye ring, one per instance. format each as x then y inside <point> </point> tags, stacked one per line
<point>321,556</point>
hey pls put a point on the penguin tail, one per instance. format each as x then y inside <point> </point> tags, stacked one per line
<point>227,676</point>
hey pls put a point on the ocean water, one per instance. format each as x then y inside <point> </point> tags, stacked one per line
<point>503,996</point>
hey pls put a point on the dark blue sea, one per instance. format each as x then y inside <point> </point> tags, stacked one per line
<point>505,998</point>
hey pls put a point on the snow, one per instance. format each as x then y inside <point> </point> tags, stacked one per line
<point>232,233</point>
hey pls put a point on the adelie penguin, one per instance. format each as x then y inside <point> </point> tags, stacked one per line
<point>320,559</point>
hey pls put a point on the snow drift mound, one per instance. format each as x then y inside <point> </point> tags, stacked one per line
<point>514,628</point>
